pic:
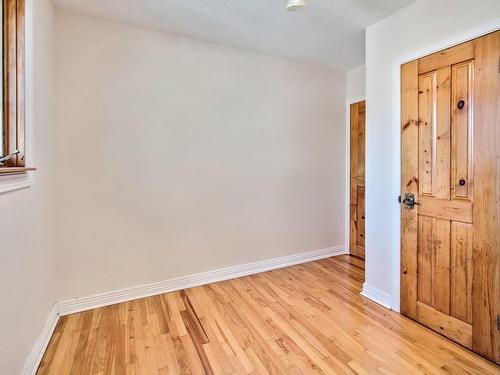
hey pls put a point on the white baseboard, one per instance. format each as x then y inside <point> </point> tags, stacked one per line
<point>110,298</point>
<point>377,296</point>
<point>35,357</point>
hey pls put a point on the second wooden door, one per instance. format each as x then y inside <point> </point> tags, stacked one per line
<point>357,180</point>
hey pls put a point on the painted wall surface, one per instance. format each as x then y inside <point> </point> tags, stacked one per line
<point>178,156</point>
<point>387,41</point>
<point>356,84</point>
<point>27,249</point>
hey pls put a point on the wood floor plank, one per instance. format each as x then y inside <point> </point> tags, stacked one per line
<point>305,319</point>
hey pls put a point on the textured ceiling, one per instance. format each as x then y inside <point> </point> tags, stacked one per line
<point>328,32</point>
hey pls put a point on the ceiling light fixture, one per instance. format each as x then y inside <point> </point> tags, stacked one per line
<point>296,4</point>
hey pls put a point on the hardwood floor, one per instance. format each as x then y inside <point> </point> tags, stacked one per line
<point>306,319</point>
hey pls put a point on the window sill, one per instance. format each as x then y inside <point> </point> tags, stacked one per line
<point>15,179</point>
<point>14,170</point>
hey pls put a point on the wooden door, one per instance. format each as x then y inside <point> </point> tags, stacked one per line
<point>357,180</point>
<point>450,279</point>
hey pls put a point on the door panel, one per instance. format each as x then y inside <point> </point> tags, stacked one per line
<point>434,133</point>
<point>442,143</point>
<point>361,144</point>
<point>450,277</point>
<point>447,325</point>
<point>360,218</point>
<point>357,180</point>
<point>461,271</point>
<point>461,123</point>
<point>425,259</point>
<point>434,263</point>
<point>426,130</point>
<point>441,267</point>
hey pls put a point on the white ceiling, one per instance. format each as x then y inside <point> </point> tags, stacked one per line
<point>328,32</point>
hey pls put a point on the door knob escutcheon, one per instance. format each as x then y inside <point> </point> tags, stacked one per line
<point>409,201</point>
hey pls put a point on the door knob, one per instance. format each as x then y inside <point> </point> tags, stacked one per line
<point>409,201</point>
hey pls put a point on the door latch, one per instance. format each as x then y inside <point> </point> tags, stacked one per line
<point>409,201</point>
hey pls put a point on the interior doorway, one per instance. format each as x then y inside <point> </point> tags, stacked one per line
<point>357,180</point>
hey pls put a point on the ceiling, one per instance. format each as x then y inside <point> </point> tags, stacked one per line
<point>327,32</point>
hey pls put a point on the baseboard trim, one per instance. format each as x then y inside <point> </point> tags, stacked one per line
<point>123,295</point>
<point>110,298</point>
<point>35,357</point>
<point>377,296</point>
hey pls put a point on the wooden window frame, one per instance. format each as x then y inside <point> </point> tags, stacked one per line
<point>14,63</point>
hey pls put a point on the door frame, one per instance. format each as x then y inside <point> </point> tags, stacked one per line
<point>349,101</point>
<point>396,119</point>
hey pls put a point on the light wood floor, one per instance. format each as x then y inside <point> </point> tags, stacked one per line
<point>306,319</point>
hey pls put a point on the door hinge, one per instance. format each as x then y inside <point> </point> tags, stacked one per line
<point>498,322</point>
<point>399,199</point>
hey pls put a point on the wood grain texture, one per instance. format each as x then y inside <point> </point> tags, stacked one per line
<point>442,141</point>
<point>486,246</point>
<point>353,180</point>
<point>410,184</point>
<point>306,319</point>
<point>14,81</point>
<point>21,83</point>
<point>457,210</point>
<point>427,101</point>
<point>361,143</point>
<point>442,265</point>
<point>447,325</point>
<point>461,271</point>
<point>14,170</point>
<point>10,79</point>
<point>447,57</point>
<point>462,130</point>
<point>357,180</point>
<point>456,278</point>
<point>360,221</point>
<point>425,274</point>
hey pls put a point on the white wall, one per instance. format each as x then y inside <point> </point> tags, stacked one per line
<point>27,274</point>
<point>415,28</point>
<point>356,84</point>
<point>178,156</point>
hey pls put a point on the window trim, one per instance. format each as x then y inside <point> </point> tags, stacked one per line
<point>14,85</point>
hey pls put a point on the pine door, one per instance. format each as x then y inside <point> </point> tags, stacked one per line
<point>357,180</point>
<point>450,193</point>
